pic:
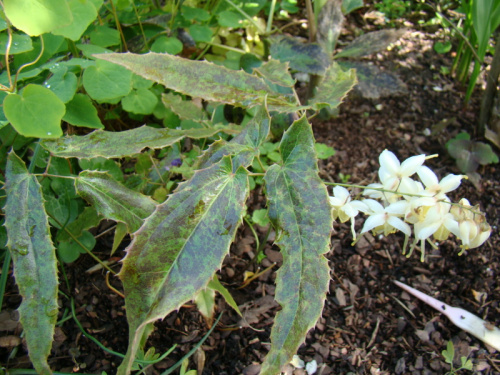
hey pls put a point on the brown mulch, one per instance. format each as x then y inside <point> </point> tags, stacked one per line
<point>368,326</point>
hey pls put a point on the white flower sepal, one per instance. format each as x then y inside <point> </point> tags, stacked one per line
<point>344,208</point>
<point>392,172</point>
<point>436,188</point>
<point>385,220</point>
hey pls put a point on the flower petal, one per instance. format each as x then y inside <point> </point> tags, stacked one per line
<point>373,221</point>
<point>399,225</point>
<point>341,193</point>
<point>389,163</point>
<point>450,182</point>
<point>410,166</point>
<point>374,206</point>
<point>427,176</point>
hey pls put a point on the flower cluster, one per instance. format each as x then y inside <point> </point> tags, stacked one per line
<point>399,202</point>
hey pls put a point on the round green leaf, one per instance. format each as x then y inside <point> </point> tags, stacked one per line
<point>84,12</point>
<point>107,81</point>
<point>36,113</point>
<point>81,112</point>
<point>200,33</point>
<point>36,17</point>
<point>167,45</point>
<point>20,43</point>
<point>70,251</point>
<point>141,83</point>
<point>141,101</point>
<point>63,84</point>
<point>197,14</point>
<point>229,19</point>
<point>104,36</point>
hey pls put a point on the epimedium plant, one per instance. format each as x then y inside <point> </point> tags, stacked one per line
<point>202,215</point>
<point>179,240</point>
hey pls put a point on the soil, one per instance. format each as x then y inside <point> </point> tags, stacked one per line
<point>369,325</point>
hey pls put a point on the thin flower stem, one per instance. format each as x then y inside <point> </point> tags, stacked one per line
<point>402,194</point>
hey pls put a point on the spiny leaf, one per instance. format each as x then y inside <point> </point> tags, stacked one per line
<point>334,87</point>
<point>120,144</point>
<point>369,43</point>
<point>244,147</point>
<point>202,79</point>
<point>113,200</point>
<point>304,57</point>
<point>299,209</point>
<point>180,246</point>
<point>34,260</point>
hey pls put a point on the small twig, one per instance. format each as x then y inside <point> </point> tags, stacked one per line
<point>374,334</point>
<point>113,289</point>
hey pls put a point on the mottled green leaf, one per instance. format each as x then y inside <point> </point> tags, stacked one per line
<point>180,246</point>
<point>334,87</point>
<point>202,79</point>
<point>81,112</point>
<point>35,264</point>
<point>120,144</point>
<point>185,109</point>
<point>276,72</point>
<point>369,43</point>
<point>304,57</point>
<point>374,83</point>
<point>113,200</point>
<point>300,211</point>
<point>243,148</point>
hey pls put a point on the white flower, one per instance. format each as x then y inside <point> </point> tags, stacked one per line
<point>473,229</point>
<point>385,219</point>
<point>438,222</point>
<point>435,188</point>
<point>345,209</point>
<point>392,172</point>
<point>297,362</point>
<point>312,367</point>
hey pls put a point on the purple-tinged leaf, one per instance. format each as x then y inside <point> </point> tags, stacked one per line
<point>202,79</point>
<point>300,211</point>
<point>113,200</point>
<point>106,144</point>
<point>35,264</point>
<point>180,246</point>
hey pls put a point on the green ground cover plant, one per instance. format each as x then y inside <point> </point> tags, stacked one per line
<point>182,205</point>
